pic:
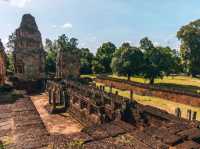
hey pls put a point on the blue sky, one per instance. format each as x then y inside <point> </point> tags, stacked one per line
<point>96,21</point>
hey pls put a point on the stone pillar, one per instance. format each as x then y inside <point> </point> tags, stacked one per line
<point>189,115</point>
<point>178,112</point>
<point>118,115</point>
<point>88,108</point>
<point>100,87</point>
<point>50,95</point>
<point>66,99</point>
<point>60,97</point>
<point>54,100</point>
<point>131,94</point>
<point>104,88</point>
<point>194,116</point>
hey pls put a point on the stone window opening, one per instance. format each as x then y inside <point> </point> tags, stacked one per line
<point>20,68</point>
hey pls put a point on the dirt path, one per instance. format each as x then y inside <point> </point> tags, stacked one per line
<point>57,123</point>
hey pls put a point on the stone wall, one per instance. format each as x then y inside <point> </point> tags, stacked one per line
<point>146,90</point>
<point>67,64</point>
<point>86,103</point>
<point>29,55</point>
<point>2,64</point>
<point>107,116</point>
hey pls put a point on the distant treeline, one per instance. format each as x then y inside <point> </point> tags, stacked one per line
<point>145,60</point>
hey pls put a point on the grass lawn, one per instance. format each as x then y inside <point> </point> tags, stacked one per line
<point>182,83</point>
<point>92,76</point>
<point>163,104</point>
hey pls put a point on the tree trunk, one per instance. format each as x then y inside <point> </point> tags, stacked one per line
<point>129,77</point>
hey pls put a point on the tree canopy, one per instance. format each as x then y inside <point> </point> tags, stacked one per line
<point>86,61</point>
<point>104,57</point>
<point>127,61</point>
<point>190,46</point>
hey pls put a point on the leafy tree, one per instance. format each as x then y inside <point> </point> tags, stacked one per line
<point>127,61</point>
<point>177,66</point>
<point>104,57</point>
<point>190,46</point>
<point>11,41</point>
<point>158,60</point>
<point>65,43</point>
<point>97,68</point>
<point>146,44</point>
<point>86,61</point>
<point>51,50</point>
<point>10,64</point>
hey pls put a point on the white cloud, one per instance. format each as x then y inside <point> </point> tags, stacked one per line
<point>156,44</point>
<point>54,26</point>
<point>67,25</point>
<point>18,3</point>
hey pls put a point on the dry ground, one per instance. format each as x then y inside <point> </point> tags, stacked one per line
<point>56,123</point>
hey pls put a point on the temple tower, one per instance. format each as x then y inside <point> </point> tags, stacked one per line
<point>68,64</point>
<point>2,64</point>
<point>29,55</point>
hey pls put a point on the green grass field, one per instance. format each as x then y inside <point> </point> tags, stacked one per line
<point>179,82</point>
<point>163,104</point>
<point>182,83</point>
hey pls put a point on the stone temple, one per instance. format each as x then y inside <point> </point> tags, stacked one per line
<point>67,64</point>
<point>2,64</point>
<point>29,55</point>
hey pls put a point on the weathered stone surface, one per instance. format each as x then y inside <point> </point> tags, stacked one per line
<point>68,64</point>
<point>29,55</point>
<point>2,64</point>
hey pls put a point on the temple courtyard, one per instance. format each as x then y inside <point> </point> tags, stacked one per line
<point>62,123</point>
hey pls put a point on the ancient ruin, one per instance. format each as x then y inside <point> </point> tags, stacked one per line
<point>2,64</point>
<point>109,116</point>
<point>104,120</point>
<point>29,55</point>
<point>67,64</point>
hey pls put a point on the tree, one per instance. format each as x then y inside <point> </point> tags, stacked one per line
<point>127,61</point>
<point>9,62</point>
<point>52,50</point>
<point>158,60</point>
<point>190,46</point>
<point>97,68</point>
<point>11,41</point>
<point>177,63</point>
<point>146,44</point>
<point>104,56</point>
<point>68,44</point>
<point>86,61</point>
